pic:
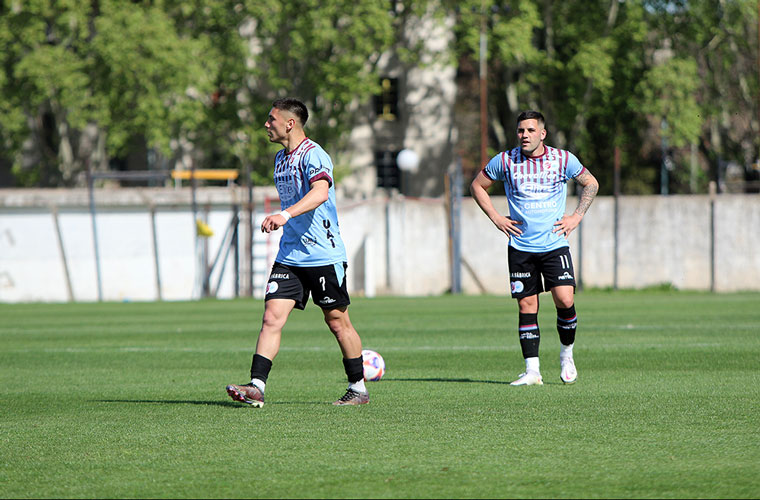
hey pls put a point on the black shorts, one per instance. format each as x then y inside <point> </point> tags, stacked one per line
<point>527,268</point>
<point>327,288</point>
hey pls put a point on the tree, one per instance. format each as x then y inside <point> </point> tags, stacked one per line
<point>323,52</point>
<point>83,79</point>
<point>721,37</point>
<point>608,74</point>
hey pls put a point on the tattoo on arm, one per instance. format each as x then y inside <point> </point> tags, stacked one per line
<point>590,188</point>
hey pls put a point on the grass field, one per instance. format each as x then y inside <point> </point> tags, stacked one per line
<point>127,400</point>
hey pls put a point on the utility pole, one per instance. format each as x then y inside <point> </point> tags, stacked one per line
<point>484,87</point>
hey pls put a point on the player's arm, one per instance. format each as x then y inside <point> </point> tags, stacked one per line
<point>479,191</point>
<point>590,186</point>
<point>318,193</point>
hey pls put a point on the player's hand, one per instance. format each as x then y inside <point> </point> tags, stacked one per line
<point>508,226</point>
<point>567,224</point>
<point>272,223</point>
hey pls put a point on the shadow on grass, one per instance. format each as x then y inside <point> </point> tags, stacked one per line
<point>437,379</point>
<point>458,380</point>
<point>226,404</point>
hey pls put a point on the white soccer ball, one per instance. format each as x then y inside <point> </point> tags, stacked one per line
<point>374,365</point>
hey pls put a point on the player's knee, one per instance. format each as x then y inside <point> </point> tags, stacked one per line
<point>528,305</point>
<point>336,325</point>
<point>271,321</point>
<point>564,302</point>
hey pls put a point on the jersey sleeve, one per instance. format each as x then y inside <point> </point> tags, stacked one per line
<point>574,166</point>
<point>318,167</point>
<point>494,169</point>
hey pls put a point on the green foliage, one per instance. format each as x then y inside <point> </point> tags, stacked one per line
<point>152,81</point>
<point>121,67</point>
<point>323,52</point>
<point>606,73</point>
<point>174,72</point>
<point>201,75</point>
<point>668,92</point>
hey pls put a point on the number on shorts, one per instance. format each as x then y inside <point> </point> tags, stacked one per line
<point>323,281</point>
<point>564,261</point>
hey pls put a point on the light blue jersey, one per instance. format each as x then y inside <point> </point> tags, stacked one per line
<point>313,238</point>
<point>536,189</point>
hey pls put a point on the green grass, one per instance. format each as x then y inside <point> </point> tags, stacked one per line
<point>127,400</point>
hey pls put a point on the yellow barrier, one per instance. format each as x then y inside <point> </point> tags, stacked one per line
<point>216,174</point>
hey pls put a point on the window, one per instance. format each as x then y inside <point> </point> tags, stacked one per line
<point>388,173</point>
<point>386,104</point>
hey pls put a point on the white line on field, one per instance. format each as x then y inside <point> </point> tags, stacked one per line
<point>595,346</point>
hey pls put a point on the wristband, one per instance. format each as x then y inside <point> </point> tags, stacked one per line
<point>286,215</point>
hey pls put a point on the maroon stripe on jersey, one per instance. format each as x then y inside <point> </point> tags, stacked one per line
<point>517,159</point>
<point>281,162</point>
<point>529,170</point>
<point>542,163</point>
<point>509,165</point>
<point>320,176</point>
<point>504,166</point>
<point>486,174</point>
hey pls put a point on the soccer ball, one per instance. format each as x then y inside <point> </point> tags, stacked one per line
<point>374,365</point>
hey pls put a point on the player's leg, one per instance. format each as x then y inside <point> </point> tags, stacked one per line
<point>525,284</point>
<point>350,344</point>
<point>276,313</point>
<point>561,281</point>
<point>284,292</point>
<point>328,290</point>
<point>567,322</point>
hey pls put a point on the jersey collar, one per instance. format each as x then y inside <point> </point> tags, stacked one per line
<point>297,147</point>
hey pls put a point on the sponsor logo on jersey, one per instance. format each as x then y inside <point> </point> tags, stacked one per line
<point>535,205</point>
<point>309,242</point>
<point>314,170</point>
<point>536,191</point>
<point>286,191</point>
<point>517,286</point>
<point>272,287</point>
<point>566,276</point>
<point>545,176</point>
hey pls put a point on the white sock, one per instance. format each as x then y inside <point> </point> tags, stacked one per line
<point>566,351</point>
<point>259,383</point>
<point>531,365</point>
<point>358,386</point>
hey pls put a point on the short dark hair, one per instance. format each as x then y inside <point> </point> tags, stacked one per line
<point>531,115</point>
<point>294,106</point>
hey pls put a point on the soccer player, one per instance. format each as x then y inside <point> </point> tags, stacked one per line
<point>535,181</point>
<point>311,258</point>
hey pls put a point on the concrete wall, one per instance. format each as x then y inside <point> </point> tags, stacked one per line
<point>395,246</point>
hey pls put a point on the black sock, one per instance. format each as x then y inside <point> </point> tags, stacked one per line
<point>260,367</point>
<point>529,335</point>
<point>354,369</point>
<point>567,321</point>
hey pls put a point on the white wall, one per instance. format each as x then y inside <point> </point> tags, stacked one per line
<point>396,246</point>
